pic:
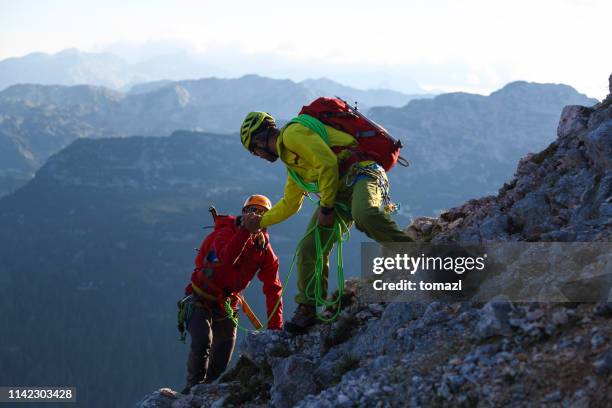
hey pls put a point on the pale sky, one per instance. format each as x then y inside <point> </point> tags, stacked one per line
<point>468,45</point>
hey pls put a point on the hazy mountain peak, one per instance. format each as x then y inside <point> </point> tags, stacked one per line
<point>524,88</point>
<point>69,52</point>
<point>36,94</point>
<point>67,67</point>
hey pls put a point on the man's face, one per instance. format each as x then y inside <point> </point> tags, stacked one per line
<point>254,209</point>
<point>259,147</point>
<point>264,154</point>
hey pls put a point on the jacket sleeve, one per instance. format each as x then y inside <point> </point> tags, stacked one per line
<point>272,289</point>
<point>318,155</point>
<point>286,207</point>
<point>199,259</point>
<point>228,244</point>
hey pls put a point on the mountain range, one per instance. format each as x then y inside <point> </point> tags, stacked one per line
<point>123,69</point>
<point>119,218</point>
<point>67,67</point>
<point>39,120</point>
<point>108,216</point>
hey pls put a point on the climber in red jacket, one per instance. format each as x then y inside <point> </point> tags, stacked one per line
<point>226,263</point>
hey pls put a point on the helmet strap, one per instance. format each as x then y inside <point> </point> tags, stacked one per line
<point>267,149</point>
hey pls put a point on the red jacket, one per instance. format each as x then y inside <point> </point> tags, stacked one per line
<point>239,259</point>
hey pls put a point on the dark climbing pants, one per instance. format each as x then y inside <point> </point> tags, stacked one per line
<point>213,337</point>
<point>365,201</point>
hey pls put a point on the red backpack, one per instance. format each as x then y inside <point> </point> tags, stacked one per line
<point>374,142</point>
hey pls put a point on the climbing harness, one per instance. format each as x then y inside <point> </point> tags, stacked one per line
<point>376,172</point>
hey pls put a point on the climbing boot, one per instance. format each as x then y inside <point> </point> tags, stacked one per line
<point>305,316</point>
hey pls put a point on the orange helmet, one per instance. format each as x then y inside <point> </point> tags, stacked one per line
<point>258,199</point>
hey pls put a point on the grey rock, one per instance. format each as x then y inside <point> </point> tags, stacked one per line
<point>380,336</point>
<point>495,227</point>
<point>553,396</point>
<point>343,401</point>
<point>603,309</point>
<point>376,308</point>
<point>503,356</point>
<point>494,319</point>
<point>256,344</point>
<point>466,368</point>
<point>219,402</point>
<point>293,380</point>
<point>604,364</point>
<point>363,315</point>
<point>155,400</point>
<point>599,147</point>
<point>188,402</point>
<point>379,363</point>
<point>326,372</point>
<point>579,393</point>
<point>560,317</point>
<point>444,390</point>
<point>574,118</point>
<point>535,315</point>
<point>597,340</point>
<point>583,402</point>
<point>455,382</point>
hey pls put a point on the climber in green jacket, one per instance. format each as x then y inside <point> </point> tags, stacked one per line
<point>359,195</point>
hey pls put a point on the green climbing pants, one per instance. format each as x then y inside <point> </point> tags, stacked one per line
<point>365,200</point>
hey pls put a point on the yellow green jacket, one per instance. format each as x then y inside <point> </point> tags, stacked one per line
<point>304,151</point>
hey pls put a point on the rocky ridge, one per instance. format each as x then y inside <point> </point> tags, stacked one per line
<point>458,354</point>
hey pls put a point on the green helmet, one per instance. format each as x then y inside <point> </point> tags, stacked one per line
<point>250,125</point>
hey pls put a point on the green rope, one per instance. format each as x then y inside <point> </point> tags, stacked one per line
<point>320,297</point>
<point>316,126</point>
<point>233,315</point>
<point>337,237</point>
<point>317,278</point>
<point>313,124</point>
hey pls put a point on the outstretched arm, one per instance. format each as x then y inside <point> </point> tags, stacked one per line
<point>286,207</point>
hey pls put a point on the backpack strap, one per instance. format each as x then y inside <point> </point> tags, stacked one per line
<point>313,124</point>
<point>316,126</point>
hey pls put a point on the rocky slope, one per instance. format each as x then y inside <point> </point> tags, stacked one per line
<point>471,143</point>
<point>458,354</point>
